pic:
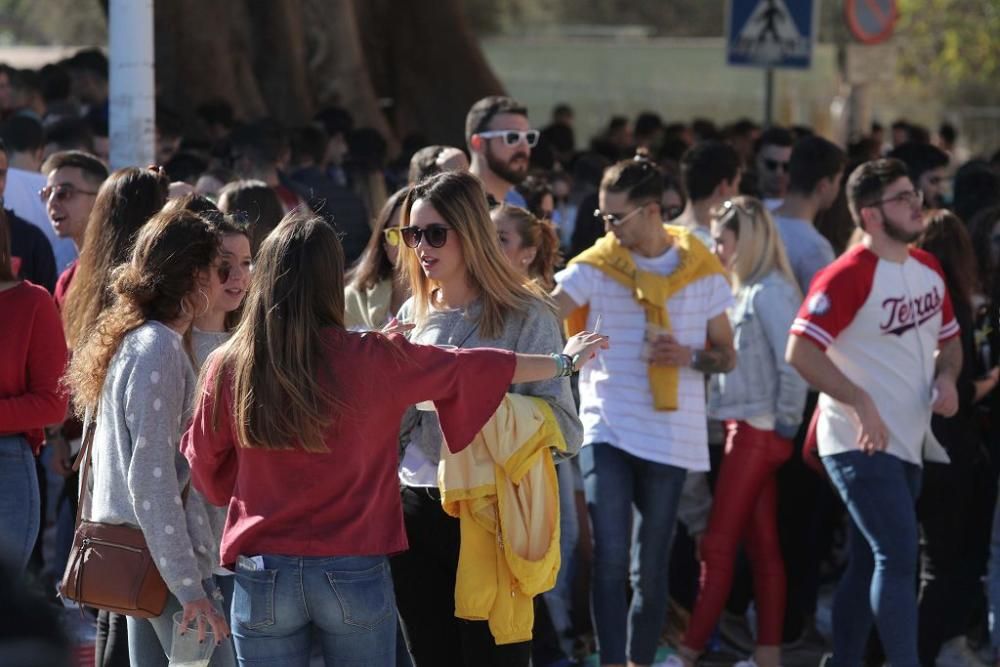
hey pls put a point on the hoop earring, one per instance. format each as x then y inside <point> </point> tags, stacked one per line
<point>184,308</point>
<point>208,303</point>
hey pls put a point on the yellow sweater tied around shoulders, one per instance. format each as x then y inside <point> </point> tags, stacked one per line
<point>651,291</point>
<point>503,490</point>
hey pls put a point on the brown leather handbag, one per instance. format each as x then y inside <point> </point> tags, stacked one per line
<point>110,566</point>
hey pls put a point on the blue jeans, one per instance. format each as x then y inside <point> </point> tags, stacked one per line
<point>20,503</point>
<point>880,492</point>
<point>347,599</point>
<point>559,600</point>
<point>149,639</point>
<point>626,492</point>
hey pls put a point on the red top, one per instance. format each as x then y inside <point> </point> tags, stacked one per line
<point>33,360</point>
<point>344,502</point>
<point>62,285</point>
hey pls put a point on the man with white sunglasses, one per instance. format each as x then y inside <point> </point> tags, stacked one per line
<point>500,139</point>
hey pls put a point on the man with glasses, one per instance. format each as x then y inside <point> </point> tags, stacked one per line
<point>500,140</point>
<point>928,168</point>
<point>72,181</point>
<point>771,164</point>
<point>660,294</point>
<point>877,337</point>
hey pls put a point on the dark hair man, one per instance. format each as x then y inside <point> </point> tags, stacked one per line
<point>500,139</point>
<point>815,169</point>
<point>774,150</point>
<point>640,437</point>
<point>866,337</point>
<point>928,169</point>
<point>711,171</point>
<point>30,252</point>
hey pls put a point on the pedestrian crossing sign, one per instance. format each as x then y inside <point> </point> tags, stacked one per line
<point>771,33</point>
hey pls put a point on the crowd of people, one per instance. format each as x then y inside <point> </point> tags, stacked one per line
<point>504,403</point>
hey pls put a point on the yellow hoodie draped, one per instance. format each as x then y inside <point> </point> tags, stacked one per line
<point>651,291</point>
<point>503,490</point>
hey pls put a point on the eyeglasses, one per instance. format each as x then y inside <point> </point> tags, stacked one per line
<point>435,235</point>
<point>62,191</point>
<point>513,137</point>
<point>911,198</point>
<point>671,212</point>
<point>614,219</point>
<point>391,235</point>
<point>776,165</point>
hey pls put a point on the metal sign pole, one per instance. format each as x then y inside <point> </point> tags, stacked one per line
<point>768,96</point>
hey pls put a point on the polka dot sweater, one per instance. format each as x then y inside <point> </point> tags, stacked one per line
<point>138,472</point>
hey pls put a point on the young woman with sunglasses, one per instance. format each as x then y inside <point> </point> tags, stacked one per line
<point>296,431</point>
<point>465,294</point>
<point>214,327</point>
<point>761,401</point>
<point>373,294</point>
<point>133,376</point>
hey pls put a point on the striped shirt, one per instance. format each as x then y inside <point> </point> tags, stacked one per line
<point>616,403</point>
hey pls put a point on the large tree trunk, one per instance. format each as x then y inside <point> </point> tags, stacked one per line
<point>287,59</point>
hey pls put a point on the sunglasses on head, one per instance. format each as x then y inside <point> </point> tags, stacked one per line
<point>435,235</point>
<point>776,165</point>
<point>63,192</point>
<point>513,137</point>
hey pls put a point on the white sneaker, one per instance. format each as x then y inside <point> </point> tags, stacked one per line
<point>673,660</point>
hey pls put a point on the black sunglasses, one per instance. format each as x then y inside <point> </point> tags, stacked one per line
<point>776,165</point>
<point>435,235</point>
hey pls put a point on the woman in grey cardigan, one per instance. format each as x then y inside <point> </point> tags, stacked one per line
<point>133,375</point>
<point>465,294</point>
<point>761,401</point>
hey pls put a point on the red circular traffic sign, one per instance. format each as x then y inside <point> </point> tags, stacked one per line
<point>871,21</point>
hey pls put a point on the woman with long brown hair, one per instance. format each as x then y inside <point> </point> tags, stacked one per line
<point>296,431</point>
<point>374,294</point>
<point>133,375</point>
<point>465,294</point>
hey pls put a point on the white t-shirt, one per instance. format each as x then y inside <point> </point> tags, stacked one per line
<point>880,323</point>
<point>21,196</point>
<point>616,403</point>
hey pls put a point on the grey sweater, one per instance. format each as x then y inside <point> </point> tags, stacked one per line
<point>138,472</point>
<point>534,332</point>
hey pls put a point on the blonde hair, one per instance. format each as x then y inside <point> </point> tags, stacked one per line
<point>759,249</point>
<point>459,198</point>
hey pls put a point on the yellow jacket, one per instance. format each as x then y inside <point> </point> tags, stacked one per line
<point>651,291</point>
<point>503,489</point>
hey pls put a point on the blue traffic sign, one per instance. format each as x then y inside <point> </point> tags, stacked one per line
<point>771,33</point>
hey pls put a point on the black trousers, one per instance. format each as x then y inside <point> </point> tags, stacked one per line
<point>424,581</point>
<point>955,512</point>
<point>111,645</point>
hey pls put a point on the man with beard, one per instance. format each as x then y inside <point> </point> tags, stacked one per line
<point>500,139</point>
<point>928,168</point>
<point>866,337</point>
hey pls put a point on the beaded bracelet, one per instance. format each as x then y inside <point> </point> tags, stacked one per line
<point>564,365</point>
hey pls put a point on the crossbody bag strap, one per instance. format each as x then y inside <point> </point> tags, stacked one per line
<point>84,461</point>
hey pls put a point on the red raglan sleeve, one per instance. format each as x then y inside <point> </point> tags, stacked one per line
<point>835,296</point>
<point>949,325</point>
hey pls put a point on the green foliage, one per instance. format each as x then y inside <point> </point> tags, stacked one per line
<point>52,22</point>
<point>948,46</point>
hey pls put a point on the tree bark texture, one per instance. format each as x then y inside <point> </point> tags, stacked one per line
<point>399,66</point>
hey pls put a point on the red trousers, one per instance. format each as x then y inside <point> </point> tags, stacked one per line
<point>744,511</point>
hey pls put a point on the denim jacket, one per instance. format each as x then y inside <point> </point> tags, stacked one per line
<point>762,383</point>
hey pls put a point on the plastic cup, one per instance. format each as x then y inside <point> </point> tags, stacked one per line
<point>428,406</point>
<point>185,649</point>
